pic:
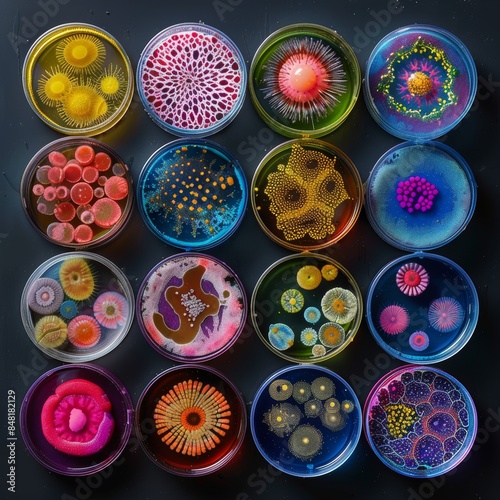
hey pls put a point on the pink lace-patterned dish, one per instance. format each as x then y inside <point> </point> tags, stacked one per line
<point>191,79</point>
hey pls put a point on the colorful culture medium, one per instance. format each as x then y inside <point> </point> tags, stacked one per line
<point>299,424</point>
<point>421,82</point>
<point>329,315</point>
<point>193,194</point>
<point>432,213</point>
<point>306,194</point>
<point>78,79</point>
<point>422,308</point>
<point>199,420</point>
<point>420,422</point>
<point>191,80</point>
<point>77,306</point>
<point>77,192</point>
<point>304,80</point>
<point>191,307</point>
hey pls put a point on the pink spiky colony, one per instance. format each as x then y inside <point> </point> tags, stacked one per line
<point>412,279</point>
<point>192,80</point>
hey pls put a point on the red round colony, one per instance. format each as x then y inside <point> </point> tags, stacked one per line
<point>192,80</point>
<point>81,193</point>
<point>84,154</point>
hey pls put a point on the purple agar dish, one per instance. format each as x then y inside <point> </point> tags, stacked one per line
<point>199,420</point>
<point>77,192</point>
<point>420,196</point>
<point>420,421</point>
<point>420,82</point>
<point>305,420</point>
<point>77,307</point>
<point>191,79</point>
<point>76,419</point>
<point>191,307</point>
<point>422,308</point>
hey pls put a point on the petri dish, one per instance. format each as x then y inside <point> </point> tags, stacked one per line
<point>304,80</point>
<point>420,196</point>
<point>78,79</point>
<point>77,307</point>
<point>192,194</point>
<point>191,420</point>
<point>306,308</point>
<point>77,192</point>
<point>420,82</point>
<point>422,308</point>
<point>420,421</point>
<point>191,307</point>
<point>191,80</point>
<point>76,419</point>
<point>306,194</point>
<point>305,420</point>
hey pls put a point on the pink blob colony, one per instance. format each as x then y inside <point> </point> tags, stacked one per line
<point>419,341</point>
<point>111,310</point>
<point>412,279</point>
<point>394,319</point>
<point>445,314</point>
<point>416,194</point>
<point>192,80</point>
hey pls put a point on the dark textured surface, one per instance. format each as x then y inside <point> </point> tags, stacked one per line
<point>249,252</point>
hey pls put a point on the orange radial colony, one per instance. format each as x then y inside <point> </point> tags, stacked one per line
<point>76,278</point>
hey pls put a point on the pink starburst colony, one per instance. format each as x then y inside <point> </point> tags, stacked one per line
<point>191,80</point>
<point>416,194</point>
<point>412,279</point>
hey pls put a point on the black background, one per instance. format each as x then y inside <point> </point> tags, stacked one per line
<point>249,252</point>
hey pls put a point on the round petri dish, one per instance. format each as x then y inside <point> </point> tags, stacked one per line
<point>422,308</point>
<point>306,308</point>
<point>76,419</point>
<point>191,420</point>
<point>306,194</point>
<point>191,80</point>
<point>305,420</point>
<point>192,194</point>
<point>77,307</point>
<point>304,80</point>
<point>78,79</point>
<point>191,307</point>
<point>420,421</point>
<point>420,196</point>
<point>77,192</point>
<point>420,82</point>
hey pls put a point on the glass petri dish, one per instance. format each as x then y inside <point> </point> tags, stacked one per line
<point>420,422</point>
<point>422,308</point>
<point>420,82</point>
<point>78,79</point>
<point>306,308</point>
<point>97,434</point>
<point>191,307</point>
<point>77,192</point>
<point>420,196</point>
<point>304,80</point>
<point>77,307</point>
<point>191,80</point>
<point>217,199</point>
<point>305,420</point>
<point>306,194</point>
<point>171,426</point>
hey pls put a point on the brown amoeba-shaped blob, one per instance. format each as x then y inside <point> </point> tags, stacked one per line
<point>192,80</point>
<point>304,194</point>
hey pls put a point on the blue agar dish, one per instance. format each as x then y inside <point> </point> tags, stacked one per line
<point>191,79</point>
<point>192,194</point>
<point>420,421</point>
<point>305,420</point>
<point>420,82</point>
<point>447,195</point>
<point>422,308</point>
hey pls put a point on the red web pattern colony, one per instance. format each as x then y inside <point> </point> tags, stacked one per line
<point>191,80</point>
